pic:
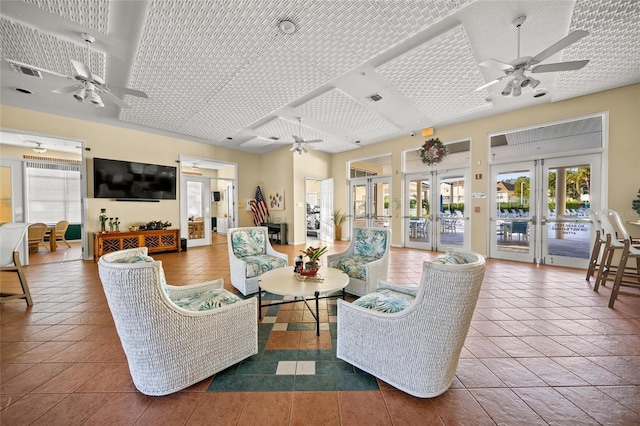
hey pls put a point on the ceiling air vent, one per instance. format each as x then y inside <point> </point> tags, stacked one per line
<point>375,97</point>
<point>25,70</point>
<point>274,138</point>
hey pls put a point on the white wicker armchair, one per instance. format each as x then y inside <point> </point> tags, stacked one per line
<point>415,350</point>
<point>169,348</point>
<point>366,260</point>
<point>250,255</point>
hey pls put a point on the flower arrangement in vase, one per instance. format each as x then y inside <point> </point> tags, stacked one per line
<point>311,265</point>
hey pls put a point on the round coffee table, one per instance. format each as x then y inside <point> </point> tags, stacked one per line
<point>283,282</point>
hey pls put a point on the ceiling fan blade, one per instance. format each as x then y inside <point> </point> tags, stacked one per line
<point>559,45</point>
<point>560,66</point>
<point>116,100</point>
<point>82,70</point>
<point>294,148</point>
<point>68,89</point>
<point>314,141</point>
<point>494,63</point>
<point>297,139</point>
<point>127,91</point>
<point>491,83</point>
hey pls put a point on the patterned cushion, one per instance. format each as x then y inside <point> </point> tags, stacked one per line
<point>385,300</point>
<point>354,266</point>
<point>142,259</point>
<point>368,242</point>
<point>207,300</point>
<point>248,242</point>
<point>257,265</point>
<point>451,259</point>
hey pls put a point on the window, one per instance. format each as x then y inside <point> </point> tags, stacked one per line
<point>53,192</point>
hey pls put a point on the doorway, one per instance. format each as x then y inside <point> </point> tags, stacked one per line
<point>370,198</point>
<point>540,206</point>
<point>45,185</point>
<point>207,199</point>
<point>435,202</point>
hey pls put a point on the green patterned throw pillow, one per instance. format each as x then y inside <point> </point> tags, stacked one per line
<point>385,300</point>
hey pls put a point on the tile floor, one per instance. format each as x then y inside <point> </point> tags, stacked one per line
<point>543,349</point>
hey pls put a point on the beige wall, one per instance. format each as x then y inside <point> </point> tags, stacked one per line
<point>622,159</point>
<point>281,170</point>
<point>118,143</point>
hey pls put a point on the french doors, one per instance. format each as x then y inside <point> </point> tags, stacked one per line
<point>370,198</point>
<point>436,218</point>
<point>540,209</point>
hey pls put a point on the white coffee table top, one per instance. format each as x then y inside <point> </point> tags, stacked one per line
<point>282,281</point>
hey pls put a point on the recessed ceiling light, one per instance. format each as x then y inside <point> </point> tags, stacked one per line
<point>25,91</point>
<point>287,27</point>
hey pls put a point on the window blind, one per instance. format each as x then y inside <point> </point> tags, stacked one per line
<point>53,192</point>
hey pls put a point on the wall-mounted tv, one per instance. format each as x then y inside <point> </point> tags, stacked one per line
<point>133,181</point>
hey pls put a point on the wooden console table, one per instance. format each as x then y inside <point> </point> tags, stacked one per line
<point>158,240</point>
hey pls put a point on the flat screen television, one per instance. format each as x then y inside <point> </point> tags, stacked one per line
<point>133,181</point>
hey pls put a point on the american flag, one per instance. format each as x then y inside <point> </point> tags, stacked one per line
<point>259,208</point>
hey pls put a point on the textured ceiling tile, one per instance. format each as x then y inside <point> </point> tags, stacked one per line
<point>92,14</point>
<point>440,77</point>
<point>285,129</point>
<point>345,113</point>
<point>32,47</point>
<point>241,68</point>
<point>612,46</point>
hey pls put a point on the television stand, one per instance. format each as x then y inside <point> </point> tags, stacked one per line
<point>156,241</point>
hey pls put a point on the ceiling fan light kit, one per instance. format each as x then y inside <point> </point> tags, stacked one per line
<point>515,70</point>
<point>90,87</point>
<point>39,148</point>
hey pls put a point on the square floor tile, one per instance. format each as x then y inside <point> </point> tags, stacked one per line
<point>269,319</point>
<point>231,383</point>
<point>286,367</point>
<point>315,355</point>
<point>280,326</point>
<point>258,367</point>
<point>356,382</point>
<point>280,355</point>
<point>317,382</point>
<point>305,368</point>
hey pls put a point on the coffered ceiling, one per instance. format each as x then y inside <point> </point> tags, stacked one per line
<point>222,72</point>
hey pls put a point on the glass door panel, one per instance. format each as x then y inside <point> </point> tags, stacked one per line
<point>418,201</point>
<point>370,202</point>
<point>452,228</point>
<point>511,206</point>
<point>568,235</point>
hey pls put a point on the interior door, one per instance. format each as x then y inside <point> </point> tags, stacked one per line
<point>231,205</point>
<point>326,210</point>
<point>196,201</point>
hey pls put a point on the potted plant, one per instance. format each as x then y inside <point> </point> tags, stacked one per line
<point>312,255</point>
<point>338,219</point>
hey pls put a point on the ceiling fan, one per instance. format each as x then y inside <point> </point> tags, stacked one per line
<point>299,142</point>
<point>515,70</point>
<point>90,87</point>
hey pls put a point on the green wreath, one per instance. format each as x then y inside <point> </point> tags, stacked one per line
<point>433,151</point>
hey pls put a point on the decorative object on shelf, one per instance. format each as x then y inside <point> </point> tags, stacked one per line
<point>133,228</point>
<point>155,224</point>
<point>117,224</point>
<point>433,151</point>
<point>635,204</point>
<point>311,266</point>
<point>110,224</point>
<point>338,219</point>
<point>103,220</point>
